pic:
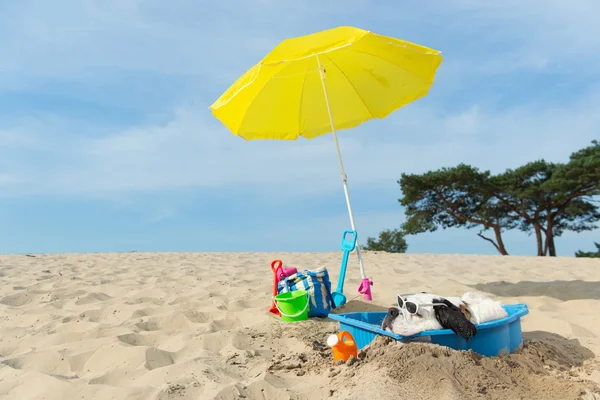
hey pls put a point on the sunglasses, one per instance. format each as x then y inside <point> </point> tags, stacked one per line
<point>411,307</point>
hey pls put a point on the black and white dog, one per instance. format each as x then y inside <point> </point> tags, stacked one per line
<point>420,312</point>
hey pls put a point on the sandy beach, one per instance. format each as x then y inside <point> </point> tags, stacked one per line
<point>196,326</point>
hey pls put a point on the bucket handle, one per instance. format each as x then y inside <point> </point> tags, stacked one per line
<point>292,315</point>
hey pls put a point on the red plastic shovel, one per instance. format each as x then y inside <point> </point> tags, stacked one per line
<point>275,265</point>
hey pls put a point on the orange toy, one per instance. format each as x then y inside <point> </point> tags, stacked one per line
<point>343,346</point>
<point>275,265</point>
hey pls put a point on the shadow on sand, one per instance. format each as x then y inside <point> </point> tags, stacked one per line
<point>359,306</point>
<point>570,351</point>
<point>561,290</point>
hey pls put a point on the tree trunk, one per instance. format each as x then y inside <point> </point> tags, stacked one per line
<point>549,248</point>
<point>498,244</point>
<point>538,238</point>
<point>501,247</point>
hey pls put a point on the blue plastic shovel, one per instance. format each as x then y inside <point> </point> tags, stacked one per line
<point>347,246</point>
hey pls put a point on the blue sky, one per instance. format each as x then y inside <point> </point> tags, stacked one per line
<point>107,142</point>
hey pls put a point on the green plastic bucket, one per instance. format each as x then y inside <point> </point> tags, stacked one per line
<point>293,306</point>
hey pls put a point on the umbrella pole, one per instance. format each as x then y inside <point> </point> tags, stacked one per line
<point>365,287</point>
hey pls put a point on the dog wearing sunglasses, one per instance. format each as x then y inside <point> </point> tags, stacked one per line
<point>418,312</point>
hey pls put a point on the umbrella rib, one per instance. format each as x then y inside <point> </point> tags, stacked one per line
<point>255,75</point>
<point>246,112</point>
<point>301,99</point>
<point>310,55</point>
<point>351,84</point>
<point>393,63</point>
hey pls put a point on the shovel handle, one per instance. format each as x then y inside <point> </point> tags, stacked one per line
<point>275,265</point>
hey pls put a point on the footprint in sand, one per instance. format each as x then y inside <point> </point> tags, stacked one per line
<point>267,386</point>
<point>111,378</point>
<point>156,358</point>
<point>72,295</point>
<point>104,315</point>
<point>245,304</point>
<point>92,298</point>
<point>141,300</point>
<point>198,317</point>
<point>148,326</point>
<point>218,341</point>
<point>218,302</point>
<point>148,311</point>
<point>182,300</point>
<point>77,360</point>
<point>215,341</point>
<point>108,356</point>
<point>223,324</point>
<point>401,271</point>
<point>580,331</point>
<point>241,342</point>
<point>136,339</point>
<point>16,300</point>
<point>7,349</point>
<point>50,362</point>
<point>170,323</point>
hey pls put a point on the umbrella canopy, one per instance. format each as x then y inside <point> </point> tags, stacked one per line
<point>330,80</point>
<point>368,76</point>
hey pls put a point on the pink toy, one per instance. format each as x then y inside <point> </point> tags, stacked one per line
<point>284,272</point>
<point>365,288</point>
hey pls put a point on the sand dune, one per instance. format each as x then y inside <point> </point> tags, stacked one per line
<point>195,326</point>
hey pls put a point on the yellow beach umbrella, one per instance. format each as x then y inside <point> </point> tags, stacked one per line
<point>326,81</point>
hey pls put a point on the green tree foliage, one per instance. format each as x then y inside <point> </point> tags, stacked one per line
<point>541,198</point>
<point>454,198</point>
<point>546,202</point>
<point>589,254</point>
<point>390,241</point>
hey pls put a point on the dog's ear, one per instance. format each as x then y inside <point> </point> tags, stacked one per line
<point>465,310</point>
<point>391,315</point>
<point>451,317</point>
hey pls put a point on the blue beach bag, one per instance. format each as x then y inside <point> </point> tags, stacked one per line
<point>317,285</point>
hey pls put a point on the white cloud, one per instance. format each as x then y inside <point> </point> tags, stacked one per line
<point>194,150</point>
